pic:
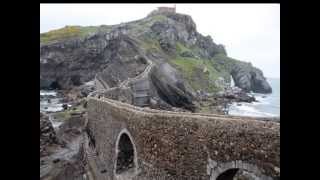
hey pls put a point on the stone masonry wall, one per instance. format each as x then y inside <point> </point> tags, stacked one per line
<point>184,146</point>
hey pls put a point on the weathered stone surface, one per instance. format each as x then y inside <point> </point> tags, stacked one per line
<point>169,142</point>
<point>67,157</point>
<point>73,60</point>
<point>250,78</point>
<point>165,144</point>
<point>47,135</point>
<point>171,87</point>
<point>236,95</point>
<point>120,52</point>
<point>79,60</point>
<point>66,165</point>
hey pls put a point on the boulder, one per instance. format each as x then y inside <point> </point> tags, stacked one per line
<point>171,87</point>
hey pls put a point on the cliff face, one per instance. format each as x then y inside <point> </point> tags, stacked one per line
<point>122,51</point>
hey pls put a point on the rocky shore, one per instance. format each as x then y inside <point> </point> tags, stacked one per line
<point>61,151</point>
<point>184,71</point>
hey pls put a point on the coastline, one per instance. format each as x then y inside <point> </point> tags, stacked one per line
<point>267,105</point>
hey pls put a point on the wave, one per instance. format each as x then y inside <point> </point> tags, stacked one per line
<point>48,93</point>
<point>50,107</point>
<point>249,110</point>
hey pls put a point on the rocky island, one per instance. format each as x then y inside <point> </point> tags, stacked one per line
<point>159,63</point>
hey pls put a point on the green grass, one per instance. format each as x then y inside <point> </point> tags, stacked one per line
<point>62,116</point>
<point>224,64</point>
<point>192,69</point>
<point>151,20</point>
<point>223,61</point>
<point>149,43</point>
<point>158,18</point>
<point>145,24</point>
<point>65,115</point>
<point>66,33</point>
<point>181,48</point>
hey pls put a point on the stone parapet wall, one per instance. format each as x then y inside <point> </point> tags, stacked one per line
<point>179,145</point>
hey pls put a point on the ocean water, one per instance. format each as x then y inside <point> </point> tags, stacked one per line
<point>54,105</point>
<point>268,105</point>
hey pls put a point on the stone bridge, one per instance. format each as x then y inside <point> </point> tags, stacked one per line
<point>130,142</point>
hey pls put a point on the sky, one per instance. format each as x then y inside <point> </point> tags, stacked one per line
<point>249,32</point>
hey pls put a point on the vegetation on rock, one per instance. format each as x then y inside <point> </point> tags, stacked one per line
<point>68,32</point>
<point>119,52</point>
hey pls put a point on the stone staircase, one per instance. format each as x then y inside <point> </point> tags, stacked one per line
<point>141,95</point>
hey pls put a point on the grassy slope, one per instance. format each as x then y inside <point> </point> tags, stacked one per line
<point>65,115</point>
<point>69,32</point>
<point>200,73</point>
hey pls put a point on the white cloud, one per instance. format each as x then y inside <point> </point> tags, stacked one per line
<point>250,32</point>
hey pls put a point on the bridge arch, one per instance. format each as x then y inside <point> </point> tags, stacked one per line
<point>228,174</point>
<point>126,163</point>
<point>228,170</point>
<point>177,139</point>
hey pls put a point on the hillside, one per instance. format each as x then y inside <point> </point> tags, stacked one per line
<point>74,55</point>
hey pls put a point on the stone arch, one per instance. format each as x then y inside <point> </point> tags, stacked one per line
<point>228,174</point>
<point>228,170</point>
<point>126,163</point>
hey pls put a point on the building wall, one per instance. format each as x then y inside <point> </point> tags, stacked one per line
<point>184,146</point>
<point>167,9</point>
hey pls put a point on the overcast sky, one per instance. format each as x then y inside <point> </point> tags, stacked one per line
<point>250,32</point>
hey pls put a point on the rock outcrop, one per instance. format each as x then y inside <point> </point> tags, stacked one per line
<point>116,53</point>
<point>171,87</point>
<point>246,76</point>
<point>70,63</point>
<point>62,154</point>
<point>236,95</point>
<point>250,78</point>
<point>113,55</point>
<point>47,135</point>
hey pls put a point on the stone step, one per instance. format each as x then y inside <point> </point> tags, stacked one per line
<point>140,95</point>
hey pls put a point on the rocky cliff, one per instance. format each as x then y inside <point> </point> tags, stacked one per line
<point>74,55</point>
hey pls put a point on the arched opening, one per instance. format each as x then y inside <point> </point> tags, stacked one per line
<point>228,174</point>
<point>125,155</point>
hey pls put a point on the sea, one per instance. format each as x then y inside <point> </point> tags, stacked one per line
<point>267,105</point>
